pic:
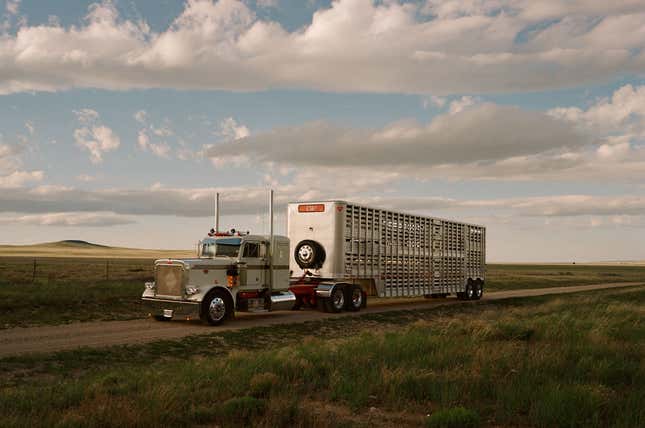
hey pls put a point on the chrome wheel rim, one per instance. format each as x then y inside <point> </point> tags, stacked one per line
<point>305,253</point>
<point>357,298</point>
<point>338,298</point>
<point>217,308</point>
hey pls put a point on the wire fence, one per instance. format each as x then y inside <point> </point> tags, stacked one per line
<point>55,269</point>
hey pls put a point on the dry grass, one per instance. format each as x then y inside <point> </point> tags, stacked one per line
<point>566,361</point>
<point>68,250</point>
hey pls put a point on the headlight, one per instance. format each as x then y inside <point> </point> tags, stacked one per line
<point>192,290</point>
<point>150,285</point>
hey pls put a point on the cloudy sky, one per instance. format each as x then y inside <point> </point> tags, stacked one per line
<point>119,120</point>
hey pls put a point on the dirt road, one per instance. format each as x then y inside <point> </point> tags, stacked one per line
<point>99,334</point>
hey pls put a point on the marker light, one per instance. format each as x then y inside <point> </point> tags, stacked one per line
<point>311,208</point>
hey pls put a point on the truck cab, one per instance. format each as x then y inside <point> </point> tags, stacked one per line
<point>232,271</point>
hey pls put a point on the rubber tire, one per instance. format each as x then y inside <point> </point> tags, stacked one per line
<point>161,318</point>
<point>467,293</point>
<point>479,290</point>
<point>470,291</point>
<point>228,307</point>
<point>328,303</point>
<point>349,301</point>
<point>318,258</point>
<point>297,305</point>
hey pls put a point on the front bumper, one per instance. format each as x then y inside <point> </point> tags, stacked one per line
<point>171,308</point>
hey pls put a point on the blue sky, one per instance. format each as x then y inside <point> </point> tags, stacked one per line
<point>120,120</point>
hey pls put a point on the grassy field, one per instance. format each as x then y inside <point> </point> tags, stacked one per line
<point>81,249</point>
<point>554,361</point>
<point>515,276</point>
<point>86,289</point>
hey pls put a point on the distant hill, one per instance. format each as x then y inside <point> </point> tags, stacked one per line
<point>80,248</point>
<point>78,243</point>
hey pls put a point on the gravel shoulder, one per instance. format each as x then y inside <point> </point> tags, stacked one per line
<point>16,341</point>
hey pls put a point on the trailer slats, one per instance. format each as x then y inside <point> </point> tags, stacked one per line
<point>412,255</point>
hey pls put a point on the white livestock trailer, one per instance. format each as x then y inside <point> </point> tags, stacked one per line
<point>381,252</point>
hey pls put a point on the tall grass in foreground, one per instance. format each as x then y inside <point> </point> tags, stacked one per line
<point>572,361</point>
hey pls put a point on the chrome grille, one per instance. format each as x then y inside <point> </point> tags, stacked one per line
<point>169,280</point>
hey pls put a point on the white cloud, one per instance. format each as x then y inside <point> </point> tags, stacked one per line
<point>354,45</point>
<point>161,149</point>
<point>12,7</point>
<point>472,140</point>
<point>85,178</point>
<point>7,150</point>
<point>483,132</point>
<point>462,103</point>
<point>10,156</point>
<point>66,219</point>
<point>579,205</point>
<point>94,136</point>
<point>97,140</point>
<point>20,178</point>
<point>229,129</point>
<point>433,100</point>
<point>141,116</point>
<point>143,140</point>
<point>267,3</point>
<point>621,116</point>
<point>86,115</point>
<point>157,200</point>
<point>198,202</point>
<point>31,129</point>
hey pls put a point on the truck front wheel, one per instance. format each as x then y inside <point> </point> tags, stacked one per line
<point>216,307</point>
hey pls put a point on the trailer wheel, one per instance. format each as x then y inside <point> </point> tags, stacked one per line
<point>479,289</point>
<point>354,298</point>
<point>335,302</point>
<point>470,291</point>
<point>216,307</point>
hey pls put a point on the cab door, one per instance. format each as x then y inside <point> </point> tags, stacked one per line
<point>255,263</point>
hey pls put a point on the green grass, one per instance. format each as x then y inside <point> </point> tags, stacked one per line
<point>513,277</point>
<point>456,417</point>
<point>551,361</point>
<point>58,303</point>
<point>74,289</point>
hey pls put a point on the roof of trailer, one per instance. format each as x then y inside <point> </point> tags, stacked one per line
<point>385,209</point>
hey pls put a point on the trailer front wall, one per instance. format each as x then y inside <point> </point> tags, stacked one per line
<point>410,255</point>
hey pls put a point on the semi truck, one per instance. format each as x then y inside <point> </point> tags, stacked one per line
<point>337,254</point>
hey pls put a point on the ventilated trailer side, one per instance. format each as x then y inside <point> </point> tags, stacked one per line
<point>392,253</point>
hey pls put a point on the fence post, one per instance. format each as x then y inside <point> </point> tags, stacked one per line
<point>107,270</point>
<point>33,277</point>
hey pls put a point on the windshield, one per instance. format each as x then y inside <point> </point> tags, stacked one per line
<point>228,247</point>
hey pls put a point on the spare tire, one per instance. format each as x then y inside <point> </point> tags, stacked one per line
<point>309,254</point>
